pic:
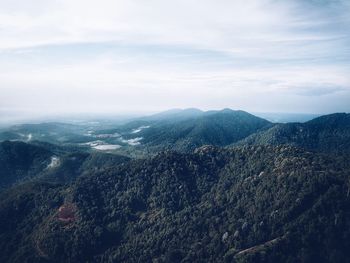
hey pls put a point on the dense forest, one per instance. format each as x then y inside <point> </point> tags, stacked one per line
<point>273,197</point>
<point>247,204</point>
<point>21,162</point>
<point>328,134</point>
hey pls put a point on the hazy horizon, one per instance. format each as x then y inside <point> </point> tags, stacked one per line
<point>122,57</point>
<point>123,117</point>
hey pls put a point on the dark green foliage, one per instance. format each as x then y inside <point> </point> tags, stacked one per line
<point>180,130</point>
<point>19,161</point>
<point>328,134</point>
<point>22,211</point>
<point>218,128</point>
<point>73,165</point>
<point>247,204</point>
<point>266,201</point>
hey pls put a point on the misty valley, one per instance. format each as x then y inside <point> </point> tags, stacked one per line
<point>177,186</point>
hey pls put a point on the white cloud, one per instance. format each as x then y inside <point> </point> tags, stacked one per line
<point>116,55</point>
<point>235,26</point>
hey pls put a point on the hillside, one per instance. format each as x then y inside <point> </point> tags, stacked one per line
<point>51,132</point>
<point>327,134</point>
<point>195,129</point>
<point>180,130</point>
<point>22,162</point>
<point>246,204</point>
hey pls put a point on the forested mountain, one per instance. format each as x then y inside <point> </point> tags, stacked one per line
<point>21,162</point>
<point>218,128</point>
<point>180,130</point>
<point>52,132</point>
<point>328,134</point>
<point>282,194</point>
<point>245,204</point>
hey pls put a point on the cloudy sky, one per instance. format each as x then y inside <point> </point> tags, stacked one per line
<point>107,56</point>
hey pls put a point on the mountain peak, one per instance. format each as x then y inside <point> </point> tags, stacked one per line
<point>226,110</point>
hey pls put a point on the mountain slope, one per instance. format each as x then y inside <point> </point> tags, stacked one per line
<point>218,128</point>
<point>180,130</point>
<point>328,134</point>
<point>248,204</point>
<point>21,162</point>
<point>51,132</point>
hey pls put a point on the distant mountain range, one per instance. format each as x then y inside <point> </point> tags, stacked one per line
<point>286,117</point>
<point>185,130</point>
<point>181,130</point>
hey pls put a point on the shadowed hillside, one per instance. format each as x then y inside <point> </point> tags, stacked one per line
<point>19,161</point>
<point>22,162</point>
<point>193,130</point>
<point>328,134</point>
<point>248,204</point>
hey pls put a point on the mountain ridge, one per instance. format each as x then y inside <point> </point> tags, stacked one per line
<point>327,133</point>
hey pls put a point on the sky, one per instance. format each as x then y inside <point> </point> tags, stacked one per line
<point>123,56</point>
